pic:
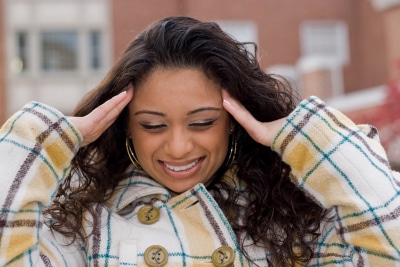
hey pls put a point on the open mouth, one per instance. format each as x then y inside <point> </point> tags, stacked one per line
<point>181,168</point>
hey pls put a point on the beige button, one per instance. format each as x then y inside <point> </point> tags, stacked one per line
<point>223,256</point>
<point>148,214</point>
<point>156,256</point>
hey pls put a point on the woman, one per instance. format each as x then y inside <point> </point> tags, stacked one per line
<point>188,154</point>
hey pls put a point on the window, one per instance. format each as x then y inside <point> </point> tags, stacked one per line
<point>95,50</point>
<point>21,62</point>
<point>59,51</point>
<point>325,39</point>
<point>324,47</point>
<point>50,51</point>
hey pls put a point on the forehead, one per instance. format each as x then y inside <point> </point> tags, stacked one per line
<point>177,85</point>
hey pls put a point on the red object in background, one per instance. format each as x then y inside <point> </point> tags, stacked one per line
<point>386,118</point>
<point>388,115</point>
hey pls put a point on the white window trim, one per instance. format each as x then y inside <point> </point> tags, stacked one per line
<point>366,98</point>
<point>382,5</point>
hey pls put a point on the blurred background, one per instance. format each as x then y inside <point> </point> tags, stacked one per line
<point>347,52</point>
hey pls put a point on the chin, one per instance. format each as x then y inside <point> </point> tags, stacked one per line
<point>179,190</point>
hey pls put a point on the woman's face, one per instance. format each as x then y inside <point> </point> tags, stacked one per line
<point>180,130</point>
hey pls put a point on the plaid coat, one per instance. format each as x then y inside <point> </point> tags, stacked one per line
<point>341,165</point>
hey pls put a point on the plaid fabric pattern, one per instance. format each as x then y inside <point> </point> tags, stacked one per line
<point>344,168</point>
<point>340,165</point>
<point>36,147</point>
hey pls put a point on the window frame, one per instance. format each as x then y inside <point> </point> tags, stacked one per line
<point>340,40</point>
<point>34,52</point>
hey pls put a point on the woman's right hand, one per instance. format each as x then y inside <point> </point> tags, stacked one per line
<point>96,122</point>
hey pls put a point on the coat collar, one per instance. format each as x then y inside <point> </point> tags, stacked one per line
<point>139,185</point>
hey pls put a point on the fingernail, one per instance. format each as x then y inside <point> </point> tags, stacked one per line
<point>227,102</point>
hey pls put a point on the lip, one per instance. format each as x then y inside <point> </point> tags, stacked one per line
<point>181,174</point>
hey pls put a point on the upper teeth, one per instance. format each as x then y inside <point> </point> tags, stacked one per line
<point>181,168</point>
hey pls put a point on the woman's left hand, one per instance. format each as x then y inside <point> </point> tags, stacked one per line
<point>262,132</point>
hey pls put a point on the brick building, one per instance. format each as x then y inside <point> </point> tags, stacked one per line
<point>326,47</point>
<point>343,51</point>
<point>2,69</point>
<point>289,35</point>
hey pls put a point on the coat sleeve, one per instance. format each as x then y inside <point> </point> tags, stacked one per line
<point>344,168</point>
<point>36,147</point>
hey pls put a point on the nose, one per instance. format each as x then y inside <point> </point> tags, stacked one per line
<point>179,144</point>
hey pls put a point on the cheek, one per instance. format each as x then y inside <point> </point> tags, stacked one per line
<point>146,152</point>
<point>143,144</point>
<point>217,143</point>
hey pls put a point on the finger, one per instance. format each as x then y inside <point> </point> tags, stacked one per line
<point>257,130</point>
<point>96,122</point>
<point>107,113</point>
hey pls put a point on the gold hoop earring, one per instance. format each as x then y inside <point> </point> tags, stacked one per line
<point>131,154</point>
<point>232,152</point>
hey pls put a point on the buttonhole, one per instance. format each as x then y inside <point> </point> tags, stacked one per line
<point>194,203</point>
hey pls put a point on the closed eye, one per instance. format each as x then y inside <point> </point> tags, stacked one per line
<point>153,127</point>
<point>203,124</point>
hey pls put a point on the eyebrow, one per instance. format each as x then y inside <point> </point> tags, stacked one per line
<point>202,109</point>
<point>150,112</point>
<point>187,114</point>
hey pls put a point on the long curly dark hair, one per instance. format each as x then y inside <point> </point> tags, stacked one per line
<point>279,216</point>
